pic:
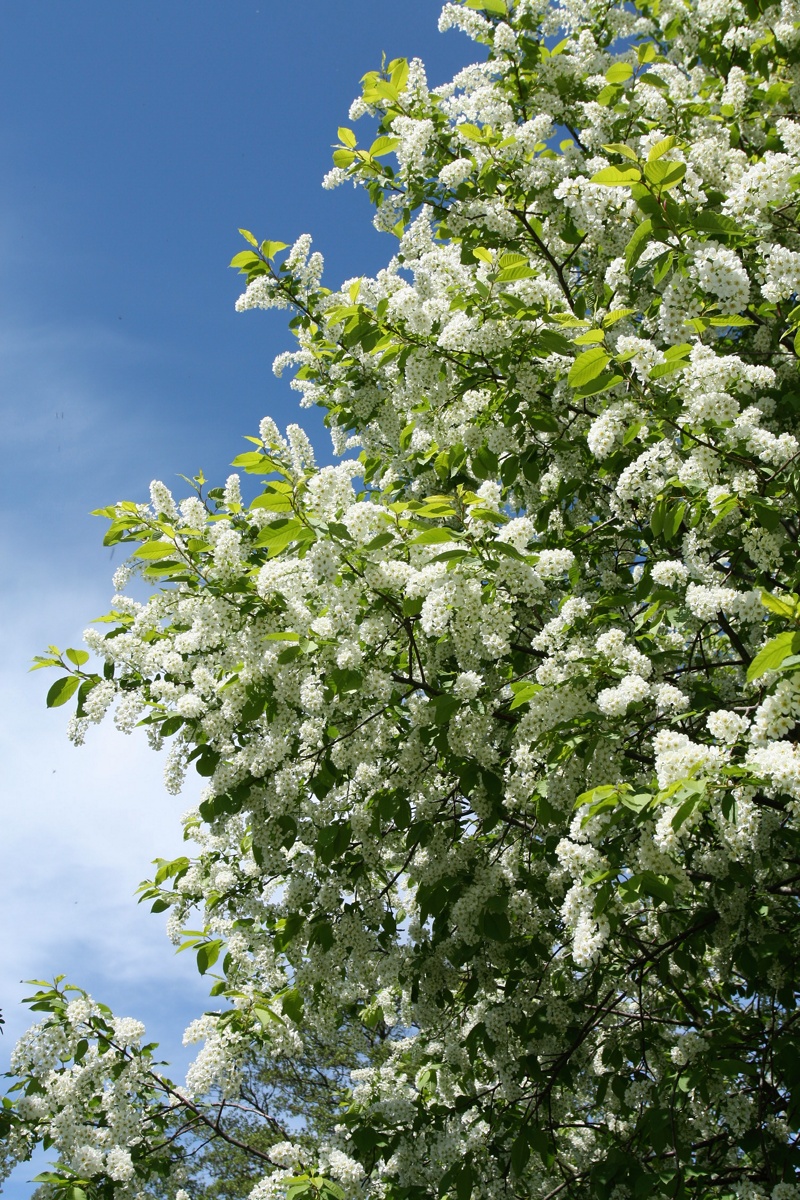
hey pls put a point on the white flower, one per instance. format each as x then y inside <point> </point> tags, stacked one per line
<point>614,702</point>
<point>467,685</point>
<point>456,172</point>
<point>162,501</point>
<point>119,1165</point>
<point>718,271</point>
<point>668,698</point>
<point>128,1031</point>
<point>726,726</point>
<point>87,1161</point>
<point>552,563</point>
<point>669,573</point>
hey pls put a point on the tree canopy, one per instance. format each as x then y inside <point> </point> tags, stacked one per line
<point>496,869</point>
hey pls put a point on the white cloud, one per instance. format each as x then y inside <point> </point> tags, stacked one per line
<point>79,827</point>
<point>79,830</point>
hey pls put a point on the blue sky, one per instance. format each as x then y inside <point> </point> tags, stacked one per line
<point>135,138</point>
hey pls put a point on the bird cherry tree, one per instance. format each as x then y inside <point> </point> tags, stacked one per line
<point>497,714</point>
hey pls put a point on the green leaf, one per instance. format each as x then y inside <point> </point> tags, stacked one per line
<point>41,661</point>
<point>635,803</point>
<point>245,259</point>
<point>663,261</point>
<point>509,274</point>
<point>382,539</point>
<point>270,249</point>
<point>328,1190</point>
<point>608,95</point>
<point>496,926</point>
<point>444,707</point>
<point>333,840</point>
<point>265,1016</point>
<point>661,148</point>
<point>673,519</point>
<point>61,691</point>
<point>770,657</point>
<point>520,1153</point>
<point>688,806</point>
<point>383,145</point>
<point>432,536</point>
<point>617,176</point>
<point>274,500</point>
<point>604,791</point>
<point>767,516</point>
<point>433,506</point>
<point>248,237</point>
<point>631,432</point>
<point>777,604</point>
<point>662,266</point>
<point>554,343</point>
<point>252,461</point>
<point>590,337</point>
<point>668,368</point>
<point>545,422</point>
<point>372,1015</point>
<point>617,314</point>
<point>664,175</point>
<point>588,366</point>
<point>719,225</point>
<point>207,955</point>
<point>637,244</point>
<point>657,516</point>
<point>724,509</point>
<point>621,148</point>
<point>347,137</point>
<point>647,883</point>
<point>472,132</point>
<point>170,727</point>
<point>206,762</point>
<point>654,81</point>
<point>523,692</point>
<point>78,657</point>
<point>292,1005</point>
<point>459,1179</point>
<point>601,384</point>
<point>299,1188</point>
<point>487,514</point>
<point>277,536</point>
<point>155,551</point>
<point>512,259</point>
<point>734,321</point>
<point>619,72</point>
<point>344,680</point>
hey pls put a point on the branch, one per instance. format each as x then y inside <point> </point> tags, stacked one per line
<point>734,638</point>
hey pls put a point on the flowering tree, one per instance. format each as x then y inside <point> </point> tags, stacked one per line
<point>498,715</point>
